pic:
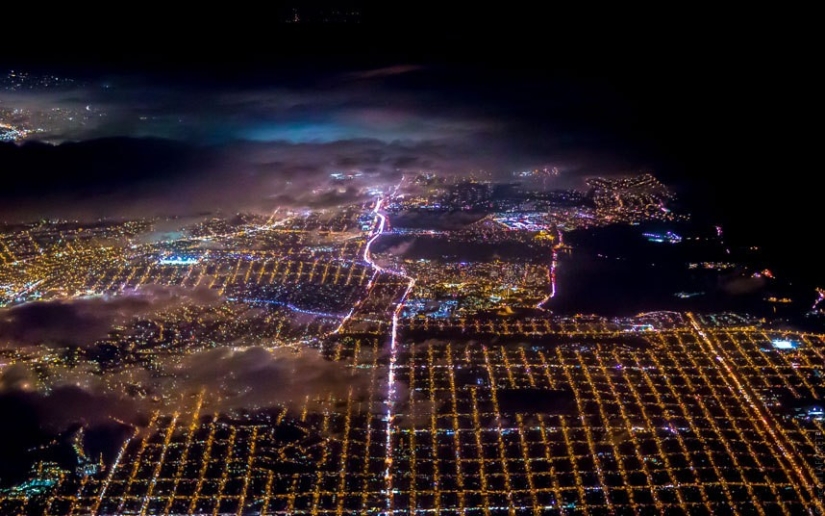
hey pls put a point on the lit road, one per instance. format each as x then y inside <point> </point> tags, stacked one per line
<point>551,273</point>
<point>389,417</point>
<point>744,390</point>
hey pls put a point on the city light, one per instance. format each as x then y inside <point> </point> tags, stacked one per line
<point>462,391</point>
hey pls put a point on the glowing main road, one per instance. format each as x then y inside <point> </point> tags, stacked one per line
<point>782,443</point>
<point>551,274</point>
<point>382,221</point>
<point>389,416</point>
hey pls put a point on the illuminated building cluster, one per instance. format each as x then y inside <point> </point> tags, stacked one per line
<point>467,395</point>
<point>456,288</point>
<point>632,199</point>
<point>698,419</point>
<point>10,133</point>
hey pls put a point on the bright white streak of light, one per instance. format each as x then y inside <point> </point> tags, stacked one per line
<point>368,258</point>
<point>389,417</point>
<point>382,220</point>
<point>551,274</point>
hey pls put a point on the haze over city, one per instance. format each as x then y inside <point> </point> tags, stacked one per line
<point>364,259</point>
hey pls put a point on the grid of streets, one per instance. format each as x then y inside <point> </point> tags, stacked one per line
<point>676,422</point>
<point>464,413</point>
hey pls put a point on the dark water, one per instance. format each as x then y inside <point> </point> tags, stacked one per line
<point>19,433</point>
<point>443,248</point>
<point>442,220</point>
<point>616,271</point>
<point>25,439</point>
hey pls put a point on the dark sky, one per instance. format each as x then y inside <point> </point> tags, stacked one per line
<point>716,101</point>
<point>225,106</point>
<point>228,107</point>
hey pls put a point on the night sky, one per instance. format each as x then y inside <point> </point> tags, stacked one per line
<point>156,111</point>
<point>214,108</point>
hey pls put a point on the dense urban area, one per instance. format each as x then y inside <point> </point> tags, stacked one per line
<point>420,352</point>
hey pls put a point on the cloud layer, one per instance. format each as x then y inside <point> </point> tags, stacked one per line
<point>82,321</point>
<point>128,147</point>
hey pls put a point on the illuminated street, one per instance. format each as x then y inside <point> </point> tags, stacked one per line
<point>591,420</point>
<point>340,258</point>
